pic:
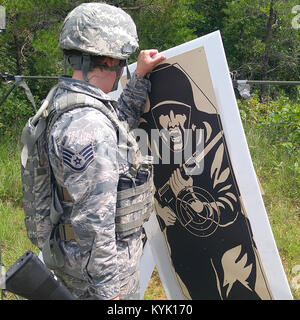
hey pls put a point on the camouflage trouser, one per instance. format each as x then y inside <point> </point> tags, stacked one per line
<point>129,254</point>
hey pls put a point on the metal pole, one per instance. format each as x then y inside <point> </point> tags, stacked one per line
<point>40,77</point>
<point>19,79</point>
<point>281,83</point>
<point>8,93</point>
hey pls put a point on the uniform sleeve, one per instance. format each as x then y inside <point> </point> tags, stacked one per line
<point>87,151</point>
<point>133,99</point>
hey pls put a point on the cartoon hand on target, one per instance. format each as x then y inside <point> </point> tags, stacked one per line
<point>165,213</point>
<point>178,183</point>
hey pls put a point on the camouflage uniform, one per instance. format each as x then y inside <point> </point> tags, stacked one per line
<point>89,154</point>
<point>100,263</point>
<point>86,208</point>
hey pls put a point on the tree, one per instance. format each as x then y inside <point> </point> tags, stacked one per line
<point>164,23</point>
<point>33,28</point>
<point>260,41</point>
<point>258,36</point>
<point>30,44</point>
<point>209,16</point>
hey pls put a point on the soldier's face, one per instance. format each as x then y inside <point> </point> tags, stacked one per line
<point>174,123</point>
<point>105,79</point>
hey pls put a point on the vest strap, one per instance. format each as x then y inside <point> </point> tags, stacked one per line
<point>124,194</point>
<point>134,224</point>
<point>133,207</point>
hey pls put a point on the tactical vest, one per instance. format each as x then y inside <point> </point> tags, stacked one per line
<point>41,194</point>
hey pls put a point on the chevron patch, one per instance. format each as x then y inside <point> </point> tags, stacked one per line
<point>78,161</point>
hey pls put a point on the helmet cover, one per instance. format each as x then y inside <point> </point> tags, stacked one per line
<point>99,29</point>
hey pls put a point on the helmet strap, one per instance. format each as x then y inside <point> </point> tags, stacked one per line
<point>127,71</point>
<point>81,62</point>
<point>118,76</point>
<point>118,69</point>
<point>65,64</point>
<point>86,65</point>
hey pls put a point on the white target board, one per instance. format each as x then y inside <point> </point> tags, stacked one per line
<point>209,235</point>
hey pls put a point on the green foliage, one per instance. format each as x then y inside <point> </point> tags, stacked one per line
<point>14,241</point>
<point>259,51</point>
<point>155,290</point>
<point>279,178</point>
<point>164,24</point>
<point>10,174</point>
<point>279,122</point>
<point>254,49</point>
<point>272,131</point>
<point>280,117</point>
<point>209,16</point>
<point>47,58</point>
<point>14,113</point>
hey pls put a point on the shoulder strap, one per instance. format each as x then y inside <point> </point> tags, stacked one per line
<point>34,128</point>
<point>71,100</point>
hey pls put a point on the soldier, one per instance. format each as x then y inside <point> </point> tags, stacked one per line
<point>100,181</point>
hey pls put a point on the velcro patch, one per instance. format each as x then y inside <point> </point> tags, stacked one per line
<point>78,161</point>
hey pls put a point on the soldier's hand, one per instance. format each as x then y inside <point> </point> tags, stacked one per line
<point>147,60</point>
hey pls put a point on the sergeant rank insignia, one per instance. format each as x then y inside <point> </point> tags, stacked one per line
<point>78,161</point>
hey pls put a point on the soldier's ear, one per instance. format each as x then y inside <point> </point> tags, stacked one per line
<point>110,62</point>
<point>107,61</point>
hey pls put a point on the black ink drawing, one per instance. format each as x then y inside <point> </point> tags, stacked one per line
<point>201,215</point>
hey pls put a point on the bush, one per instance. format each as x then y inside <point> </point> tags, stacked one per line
<point>280,120</point>
<point>14,113</point>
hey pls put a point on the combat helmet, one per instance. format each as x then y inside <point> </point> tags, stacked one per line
<point>97,29</point>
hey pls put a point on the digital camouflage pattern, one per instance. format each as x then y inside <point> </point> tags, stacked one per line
<point>92,162</point>
<point>126,280</point>
<point>99,29</point>
<point>85,211</point>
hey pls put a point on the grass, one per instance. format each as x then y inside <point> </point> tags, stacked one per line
<point>10,182</point>
<point>155,290</point>
<point>280,183</point>
<point>275,168</point>
<point>13,238</point>
<point>14,241</point>
<point>12,228</point>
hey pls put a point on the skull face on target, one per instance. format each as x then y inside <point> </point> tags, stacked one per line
<point>172,119</point>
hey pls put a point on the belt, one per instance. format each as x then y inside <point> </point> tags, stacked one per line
<point>66,232</point>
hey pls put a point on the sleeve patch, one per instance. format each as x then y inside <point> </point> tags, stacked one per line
<point>78,161</point>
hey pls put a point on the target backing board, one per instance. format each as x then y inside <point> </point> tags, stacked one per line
<point>210,235</point>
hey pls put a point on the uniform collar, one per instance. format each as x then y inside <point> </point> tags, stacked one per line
<point>83,87</point>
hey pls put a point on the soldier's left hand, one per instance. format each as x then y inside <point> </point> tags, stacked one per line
<point>147,60</point>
